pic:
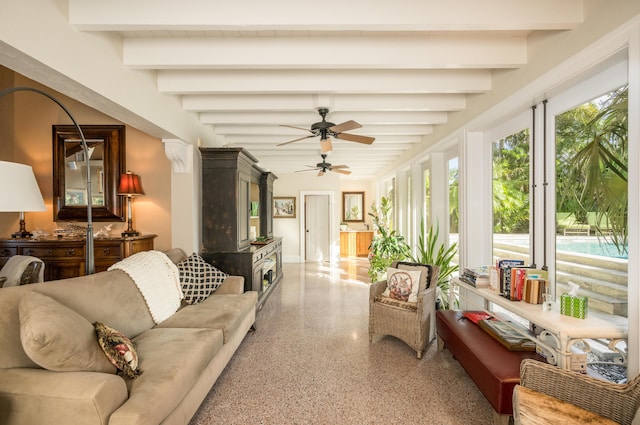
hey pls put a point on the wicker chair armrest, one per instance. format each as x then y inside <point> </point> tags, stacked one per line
<point>377,289</point>
<point>427,298</point>
<point>618,402</point>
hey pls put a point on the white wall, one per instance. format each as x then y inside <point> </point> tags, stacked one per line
<point>296,183</point>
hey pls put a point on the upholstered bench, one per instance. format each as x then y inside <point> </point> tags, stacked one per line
<point>493,368</point>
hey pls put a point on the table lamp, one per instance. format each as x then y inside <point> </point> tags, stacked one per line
<point>130,186</point>
<point>19,193</point>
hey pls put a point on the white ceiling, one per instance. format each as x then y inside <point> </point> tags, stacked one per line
<point>399,68</point>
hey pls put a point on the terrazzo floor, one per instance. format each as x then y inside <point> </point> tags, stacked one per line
<point>309,361</point>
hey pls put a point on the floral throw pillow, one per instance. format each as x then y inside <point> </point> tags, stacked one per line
<point>402,285</point>
<point>119,350</point>
<point>198,278</point>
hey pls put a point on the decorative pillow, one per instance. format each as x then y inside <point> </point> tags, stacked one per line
<point>402,285</point>
<point>198,279</point>
<point>57,338</point>
<point>119,350</point>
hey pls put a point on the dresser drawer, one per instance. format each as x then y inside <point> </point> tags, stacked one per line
<point>55,251</point>
<point>9,251</point>
<point>111,251</point>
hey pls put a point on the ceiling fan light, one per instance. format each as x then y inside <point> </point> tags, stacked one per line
<point>325,145</point>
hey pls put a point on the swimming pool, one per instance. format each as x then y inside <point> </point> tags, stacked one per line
<point>591,247</point>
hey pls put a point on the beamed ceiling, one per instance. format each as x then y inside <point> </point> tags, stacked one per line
<point>399,68</point>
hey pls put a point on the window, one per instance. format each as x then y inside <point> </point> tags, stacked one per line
<point>510,168</point>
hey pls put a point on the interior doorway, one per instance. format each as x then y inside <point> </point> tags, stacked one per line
<point>317,229</point>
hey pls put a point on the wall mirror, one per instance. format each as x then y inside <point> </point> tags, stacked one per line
<point>106,161</point>
<point>353,206</point>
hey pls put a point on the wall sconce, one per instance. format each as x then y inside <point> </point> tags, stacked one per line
<point>19,192</point>
<point>130,186</point>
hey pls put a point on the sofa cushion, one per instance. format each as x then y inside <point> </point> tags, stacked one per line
<point>198,278</point>
<point>118,349</point>
<point>220,311</point>
<point>57,338</point>
<point>172,360</point>
<point>402,285</point>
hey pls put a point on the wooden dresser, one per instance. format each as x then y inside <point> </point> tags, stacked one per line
<point>64,258</point>
<point>355,243</point>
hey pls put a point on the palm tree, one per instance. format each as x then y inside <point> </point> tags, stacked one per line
<point>596,177</point>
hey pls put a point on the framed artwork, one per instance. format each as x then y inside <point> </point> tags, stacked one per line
<point>74,197</point>
<point>284,207</point>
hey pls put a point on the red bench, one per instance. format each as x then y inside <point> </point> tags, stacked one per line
<point>494,369</point>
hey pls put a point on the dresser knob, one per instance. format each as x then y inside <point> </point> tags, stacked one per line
<point>106,251</point>
<point>71,252</point>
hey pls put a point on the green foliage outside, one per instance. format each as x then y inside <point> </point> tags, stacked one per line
<point>592,165</point>
<point>591,170</point>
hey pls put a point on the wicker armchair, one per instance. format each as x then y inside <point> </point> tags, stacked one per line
<point>413,323</point>
<point>548,394</point>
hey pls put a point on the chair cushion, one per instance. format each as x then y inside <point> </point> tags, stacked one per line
<point>406,305</point>
<point>57,338</point>
<point>425,277</point>
<point>198,278</point>
<point>402,285</point>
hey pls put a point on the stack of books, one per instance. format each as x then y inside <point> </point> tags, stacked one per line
<point>476,276</point>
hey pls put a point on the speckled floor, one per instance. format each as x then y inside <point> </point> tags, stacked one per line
<point>310,362</point>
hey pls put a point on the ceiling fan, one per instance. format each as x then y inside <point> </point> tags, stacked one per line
<point>324,166</point>
<point>324,129</point>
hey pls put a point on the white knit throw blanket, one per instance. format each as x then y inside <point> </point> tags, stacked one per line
<point>157,279</point>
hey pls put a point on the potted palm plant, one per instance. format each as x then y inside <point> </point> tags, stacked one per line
<point>388,245</point>
<point>428,251</point>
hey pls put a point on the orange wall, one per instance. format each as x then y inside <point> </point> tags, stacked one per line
<point>26,137</point>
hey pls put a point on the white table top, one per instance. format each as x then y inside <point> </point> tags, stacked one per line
<point>595,325</point>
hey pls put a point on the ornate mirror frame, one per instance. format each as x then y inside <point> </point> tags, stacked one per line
<point>353,207</point>
<point>107,205</point>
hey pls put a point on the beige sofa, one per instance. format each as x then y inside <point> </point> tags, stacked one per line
<point>180,358</point>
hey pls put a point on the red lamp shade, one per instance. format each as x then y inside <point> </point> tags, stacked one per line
<point>130,185</point>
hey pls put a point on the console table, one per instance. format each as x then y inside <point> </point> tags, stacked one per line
<point>560,333</point>
<point>65,258</point>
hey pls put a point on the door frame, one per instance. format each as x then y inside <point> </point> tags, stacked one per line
<point>303,217</point>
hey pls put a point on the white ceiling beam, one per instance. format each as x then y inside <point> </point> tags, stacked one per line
<point>244,140</point>
<point>372,130</point>
<point>491,50</point>
<point>305,119</point>
<point>324,81</point>
<point>363,15</point>
<point>335,102</point>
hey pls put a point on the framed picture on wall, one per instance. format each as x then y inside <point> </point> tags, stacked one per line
<point>284,207</point>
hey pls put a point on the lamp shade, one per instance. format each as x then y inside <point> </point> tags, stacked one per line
<point>19,190</point>
<point>130,185</point>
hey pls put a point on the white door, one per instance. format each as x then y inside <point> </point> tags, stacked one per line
<point>317,228</point>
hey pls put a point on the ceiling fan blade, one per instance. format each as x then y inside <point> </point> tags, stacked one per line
<point>342,171</point>
<point>297,128</point>
<point>345,126</point>
<point>320,173</point>
<point>355,138</point>
<point>325,145</point>
<point>339,166</point>
<point>295,140</point>
<point>302,171</point>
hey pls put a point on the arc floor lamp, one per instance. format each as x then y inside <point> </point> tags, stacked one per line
<point>89,253</point>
